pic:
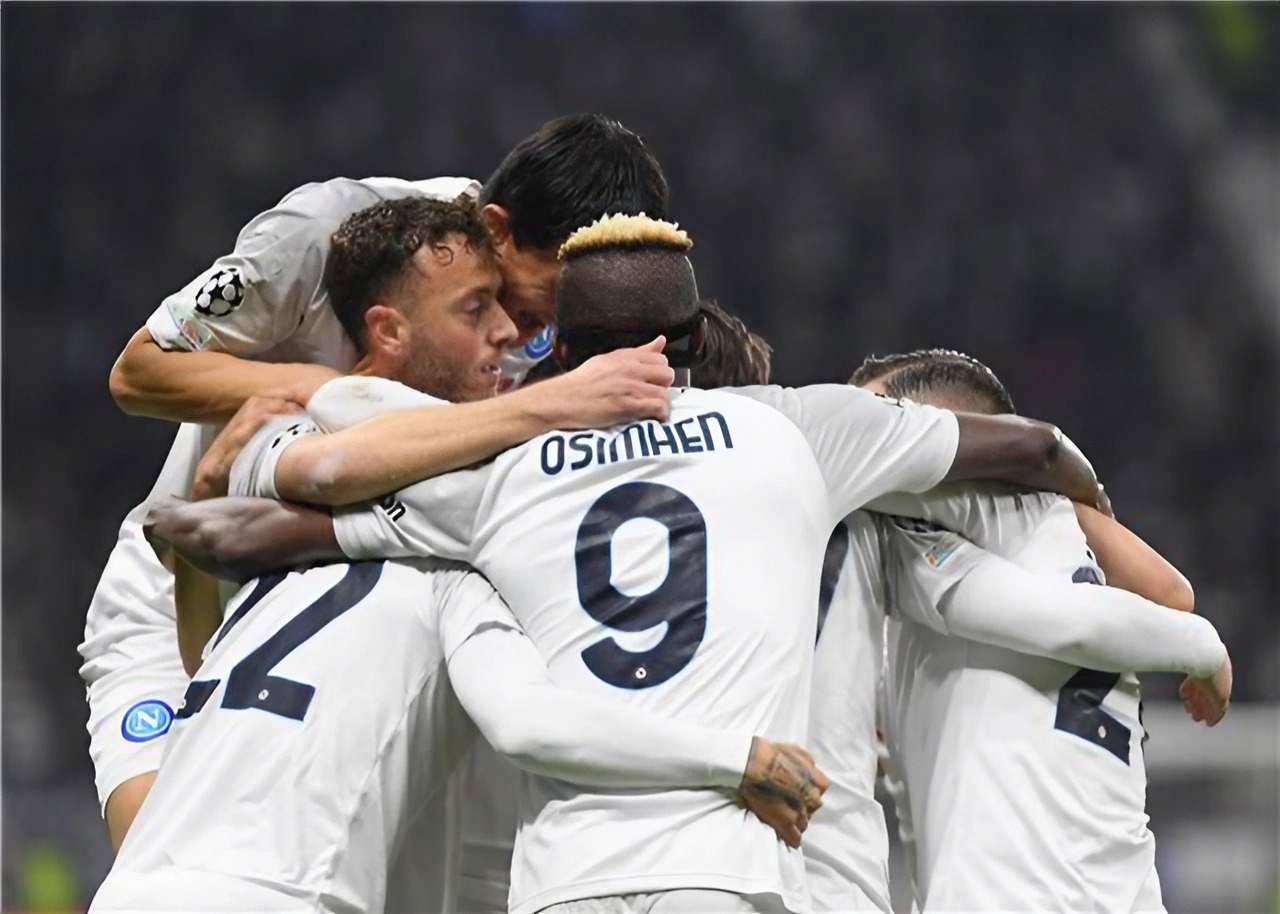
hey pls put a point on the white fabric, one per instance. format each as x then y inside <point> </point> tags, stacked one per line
<point>765,503</point>
<point>279,258</point>
<point>681,901</point>
<point>524,510</point>
<point>1000,604</point>
<point>846,848</point>
<point>976,739</point>
<point>310,811</point>
<point>866,446</point>
<point>284,317</point>
<point>130,647</point>
<point>489,788</point>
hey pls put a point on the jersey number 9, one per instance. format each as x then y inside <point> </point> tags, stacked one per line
<point>680,600</point>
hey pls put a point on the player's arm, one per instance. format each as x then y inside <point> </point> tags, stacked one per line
<point>399,444</point>
<point>869,446</point>
<point>238,539</point>
<point>1132,565</point>
<point>508,691</point>
<point>197,610</point>
<point>149,380</point>
<point>1026,452</point>
<point>986,598</point>
<point>189,363</point>
<point>197,603</point>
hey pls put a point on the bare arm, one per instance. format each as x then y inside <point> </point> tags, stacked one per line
<point>391,451</point>
<point>404,446</point>
<point>198,609</point>
<point>1132,565</point>
<point>202,386</point>
<point>238,539</point>
<point>1026,452</point>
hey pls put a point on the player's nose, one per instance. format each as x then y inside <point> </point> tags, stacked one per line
<point>502,330</point>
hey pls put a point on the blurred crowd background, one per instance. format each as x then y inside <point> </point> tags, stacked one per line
<point>1085,196</point>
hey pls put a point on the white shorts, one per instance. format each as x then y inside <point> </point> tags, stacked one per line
<point>132,669</point>
<point>677,901</point>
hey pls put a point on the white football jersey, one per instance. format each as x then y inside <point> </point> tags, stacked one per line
<point>648,564</point>
<point>847,844</point>
<point>846,848</point>
<point>318,728</point>
<point>1025,775</point>
<point>266,301</point>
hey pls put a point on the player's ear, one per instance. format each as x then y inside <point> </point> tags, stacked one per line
<point>498,221</point>
<point>385,330</point>
<point>560,350</point>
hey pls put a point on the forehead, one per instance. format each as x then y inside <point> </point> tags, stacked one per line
<point>453,263</point>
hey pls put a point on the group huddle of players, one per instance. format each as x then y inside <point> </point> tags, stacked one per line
<point>487,573</point>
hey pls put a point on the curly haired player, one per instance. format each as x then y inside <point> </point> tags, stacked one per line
<point>259,321</point>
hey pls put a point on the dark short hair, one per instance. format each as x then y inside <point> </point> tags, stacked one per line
<point>571,171</point>
<point>732,355</point>
<point>914,375</point>
<point>625,280</point>
<point>373,250</point>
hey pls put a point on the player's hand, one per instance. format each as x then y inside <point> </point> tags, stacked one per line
<point>783,787</point>
<point>625,385</point>
<point>1206,700</point>
<point>1104,503</point>
<point>213,474</point>
<point>151,533</point>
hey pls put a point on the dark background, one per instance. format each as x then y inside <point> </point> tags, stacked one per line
<point>1083,196</point>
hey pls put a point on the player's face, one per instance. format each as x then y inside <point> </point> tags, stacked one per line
<point>528,287</point>
<point>458,331</point>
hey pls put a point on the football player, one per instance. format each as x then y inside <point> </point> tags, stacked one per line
<point>258,320</point>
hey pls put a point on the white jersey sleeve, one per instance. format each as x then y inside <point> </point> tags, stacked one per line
<point>347,401</point>
<point>866,445</point>
<point>507,690</point>
<point>973,594</point>
<point>255,297</point>
<point>254,470</point>
<point>436,517</point>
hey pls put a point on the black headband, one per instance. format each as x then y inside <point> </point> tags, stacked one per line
<point>587,343</point>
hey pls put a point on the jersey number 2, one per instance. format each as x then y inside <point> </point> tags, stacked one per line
<point>250,683</point>
<point>680,601</point>
<point>1080,700</point>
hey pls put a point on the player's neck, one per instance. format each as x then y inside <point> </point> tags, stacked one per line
<point>683,378</point>
<point>370,366</point>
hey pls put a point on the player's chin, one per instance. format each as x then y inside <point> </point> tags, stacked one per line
<point>485,384</point>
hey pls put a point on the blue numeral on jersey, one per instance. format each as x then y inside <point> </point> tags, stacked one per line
<point>832,565</point>
<point>680,600</point>
<point>1080,700</point>
<point>250,683</point>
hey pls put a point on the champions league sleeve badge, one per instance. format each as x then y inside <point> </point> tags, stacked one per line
<point>221,293</point>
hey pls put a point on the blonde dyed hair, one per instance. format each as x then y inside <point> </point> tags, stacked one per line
<point>619,231</point>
